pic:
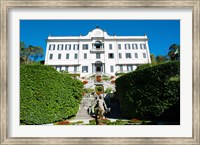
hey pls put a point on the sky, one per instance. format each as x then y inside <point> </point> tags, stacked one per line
<point>161,33</point>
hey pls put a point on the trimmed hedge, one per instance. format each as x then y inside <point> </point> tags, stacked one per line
<point>47,96</point>
<point>148,92</point>
<point>144,66</point>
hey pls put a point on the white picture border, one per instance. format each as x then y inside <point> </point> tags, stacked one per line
<point>183,130</point>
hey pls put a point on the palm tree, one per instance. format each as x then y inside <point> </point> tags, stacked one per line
<point>174,52</point>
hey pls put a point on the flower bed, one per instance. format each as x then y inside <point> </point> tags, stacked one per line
<point>85,82</point>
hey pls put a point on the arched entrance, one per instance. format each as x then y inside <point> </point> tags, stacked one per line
<point>98,45</point>
<point>98,67</point>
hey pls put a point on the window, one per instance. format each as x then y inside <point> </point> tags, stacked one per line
<point>84,69</point>
<point>59,56</point>
<point>51,56</point>
<point>121,67</point>
<point>52,47</point>
<point>142,46</point>
<point>136,55</point>
<point>120,55</point>
<point>134,46</point>
<point>98,55</point>
<point>85,55</point>
<point>119,46</point>
<point>75,56</point>
<point>76,47</point>
<point>68,47</point>
<point>85,46</point>
<point>75,68</point>
<point>58,68</point>
<point>110,46</point>
<point>128,55</point>
<point>66,68</point>
<point>110,55</point>
<point>111,68</point>
<point>144,55</point>
<point>127,46</point>
<point>60,47</point>
<point>129,67</point>
<point>67,56</point>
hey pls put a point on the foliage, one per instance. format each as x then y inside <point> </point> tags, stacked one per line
<point>106,78</point>
<point>88,90</point>
<point>98,88</point>
<point>108,90</point>
<point>75,75</point>
<point>150,91</point>
<point>144,66</point>
<point>153,60</point>
<point>46,95</point>
<point>29,54</point>
<point>120,74</point>
<point>160,59</point>
<point>174,52</point>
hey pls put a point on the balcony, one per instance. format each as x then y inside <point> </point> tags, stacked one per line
<point>97,50</point>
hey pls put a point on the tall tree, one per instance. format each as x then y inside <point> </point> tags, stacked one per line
<point>174,52</point>
<point>160,59</point>
<point>153,60</point>
<point>31,53</point>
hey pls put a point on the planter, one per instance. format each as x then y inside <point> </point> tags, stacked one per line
<point>112,81</point>
<point>63,122</point>
<point>85,82</point>
<point>112,77</point>
<point>98,78</point>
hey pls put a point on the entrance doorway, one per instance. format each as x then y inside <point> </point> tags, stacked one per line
<point>98,67</point>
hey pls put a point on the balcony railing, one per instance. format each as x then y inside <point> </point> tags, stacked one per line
<point>97,50</point>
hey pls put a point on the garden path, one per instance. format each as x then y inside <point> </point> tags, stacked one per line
<point>82,114</point>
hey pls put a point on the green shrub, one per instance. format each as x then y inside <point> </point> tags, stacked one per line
<point>46,95</point>
<point>106,78</point>
<point>149,92</point>
<point>88,90</point>
<point>98,88</point>
<point>120,73</point>
<point>143,66</point>
<point>108,90</point>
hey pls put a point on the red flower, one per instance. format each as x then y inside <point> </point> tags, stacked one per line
<point>63,122</point>
<point>135,120</point>
<point>113,81</point>
<point>85,82</point>
<point>98,78</point>
<point>112,77</point>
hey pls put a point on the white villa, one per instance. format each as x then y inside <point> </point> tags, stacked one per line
<point>97,52</point>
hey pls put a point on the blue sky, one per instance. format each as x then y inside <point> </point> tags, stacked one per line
<point>161,33</point>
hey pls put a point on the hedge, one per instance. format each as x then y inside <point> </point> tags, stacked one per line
<point>150,91</point>
<point>47,96</point>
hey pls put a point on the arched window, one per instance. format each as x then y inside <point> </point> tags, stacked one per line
<point>98,45</point>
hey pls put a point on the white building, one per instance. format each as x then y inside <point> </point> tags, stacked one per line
<point>97,52</point>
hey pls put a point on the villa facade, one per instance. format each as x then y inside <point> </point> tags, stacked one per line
<point>97,52</point>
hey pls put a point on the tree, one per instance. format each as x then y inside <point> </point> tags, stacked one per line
<point>31,53</point>
<point>174,52</point>
<point>160,59</point>
<point>153,60</point>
